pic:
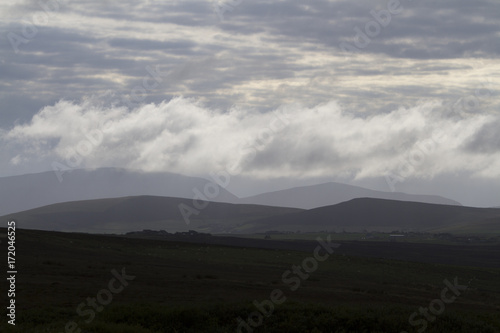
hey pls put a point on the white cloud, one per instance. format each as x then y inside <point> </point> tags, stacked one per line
<point>184,136</point>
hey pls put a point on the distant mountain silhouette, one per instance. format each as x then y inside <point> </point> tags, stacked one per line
<point>19,193</point>
<point>381,215</point>
<point>327,194</point>
<point>120,215</point>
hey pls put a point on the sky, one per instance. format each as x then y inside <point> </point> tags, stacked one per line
<point>391,95</point>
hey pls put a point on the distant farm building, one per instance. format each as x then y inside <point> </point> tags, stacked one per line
<point>395,237</point>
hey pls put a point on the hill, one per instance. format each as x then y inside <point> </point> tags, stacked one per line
<point>19,193</point>
<point>314,196</point>
<point>382,215</point>
<point>119,215</point>
<point>125,214</point>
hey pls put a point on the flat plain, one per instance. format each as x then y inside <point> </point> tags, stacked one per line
<point>187,283</point>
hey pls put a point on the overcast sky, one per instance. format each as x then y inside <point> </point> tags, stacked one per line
<point>391,95</point>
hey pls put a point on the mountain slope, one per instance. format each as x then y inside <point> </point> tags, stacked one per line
<point>119,215</point>
<point>377,214</point>
<point>19,193</point>
<point>314,196</point>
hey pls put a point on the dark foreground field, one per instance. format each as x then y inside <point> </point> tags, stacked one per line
<point>145,286</point>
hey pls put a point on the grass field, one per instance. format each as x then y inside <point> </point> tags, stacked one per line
<point>188,287</point>
<point>427,238</point>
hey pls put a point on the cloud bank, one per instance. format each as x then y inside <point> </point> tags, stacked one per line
<point>184,136</point>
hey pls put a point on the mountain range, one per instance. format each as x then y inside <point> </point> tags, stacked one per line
<point>121,215</point>
<point>24,192</point>
<point>314,196</point>
<point>112,200</point>
<point>19,193</point>
<point>383,215</point>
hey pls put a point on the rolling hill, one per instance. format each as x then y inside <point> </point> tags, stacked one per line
<point>120,215</point>
<point>19,193</point>
<point>383,215</point>
<point>314,196</point>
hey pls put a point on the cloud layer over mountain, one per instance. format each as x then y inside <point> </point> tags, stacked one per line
<point>398,88</point>
<point>184,136</point>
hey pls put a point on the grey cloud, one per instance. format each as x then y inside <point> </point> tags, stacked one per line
<point>334,22</point>
<point>150,44</point>
<point>258,58</point>
<point>315,141</point>
<point>486,140</point>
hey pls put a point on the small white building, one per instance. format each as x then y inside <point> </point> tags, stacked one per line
<point>395,237</point>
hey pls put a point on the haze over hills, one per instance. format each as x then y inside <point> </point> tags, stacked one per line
<point>119,215</point>
<point>314,196</point>
<point>383,215</point>
<point>19,193</point>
